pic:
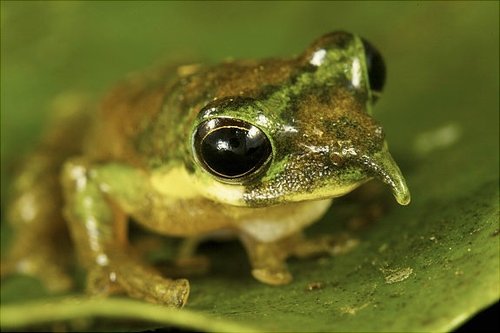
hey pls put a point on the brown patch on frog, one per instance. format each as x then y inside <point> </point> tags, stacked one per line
<point>186,96</point>
<point>342,118</point>
<point>250,76</point>
<point>123,114</point>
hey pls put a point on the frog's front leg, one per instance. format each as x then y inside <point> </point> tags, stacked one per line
<point>98,201</point>
<point>268,259</point>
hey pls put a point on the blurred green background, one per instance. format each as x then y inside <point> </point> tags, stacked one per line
<point>439,108</point>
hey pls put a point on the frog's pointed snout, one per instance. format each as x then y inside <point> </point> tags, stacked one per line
<point>383,167</point>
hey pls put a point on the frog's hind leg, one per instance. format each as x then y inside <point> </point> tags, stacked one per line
<point>40,245</point>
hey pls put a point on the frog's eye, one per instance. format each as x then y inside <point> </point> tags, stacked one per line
<point>376,68</point>
<point>231,149</point>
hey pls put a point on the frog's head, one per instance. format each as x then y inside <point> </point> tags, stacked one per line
<point>310,137</point>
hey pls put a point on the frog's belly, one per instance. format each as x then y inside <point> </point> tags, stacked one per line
<point>200,217</point>
<point>273,223</point>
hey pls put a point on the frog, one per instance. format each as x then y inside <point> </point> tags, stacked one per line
<point>253,149</point>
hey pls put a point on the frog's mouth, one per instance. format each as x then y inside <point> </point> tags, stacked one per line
<point>382,166</point>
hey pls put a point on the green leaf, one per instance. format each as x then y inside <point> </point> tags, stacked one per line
<point>82,307</point>
<point>425,267</point>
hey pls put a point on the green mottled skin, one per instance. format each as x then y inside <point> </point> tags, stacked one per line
<point>138,161</point>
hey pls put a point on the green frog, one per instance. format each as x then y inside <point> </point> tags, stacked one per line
<point>255,149</point>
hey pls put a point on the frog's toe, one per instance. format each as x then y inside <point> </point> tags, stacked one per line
<point>272,276</point>
<point>325,244</point>
<point>175,293</point>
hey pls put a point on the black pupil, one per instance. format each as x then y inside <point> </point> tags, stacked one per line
<point>376,67</point>
<point>233,152</point>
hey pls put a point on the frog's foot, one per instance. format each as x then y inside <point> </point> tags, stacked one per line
<point>275,276</point>
<point>268,259</point>
<point>138,281</point>
<point>333,245</point>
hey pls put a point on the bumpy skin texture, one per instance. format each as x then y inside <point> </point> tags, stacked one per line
<point>139,160</point>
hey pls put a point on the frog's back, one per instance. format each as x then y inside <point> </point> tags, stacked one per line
<point>124,113</point>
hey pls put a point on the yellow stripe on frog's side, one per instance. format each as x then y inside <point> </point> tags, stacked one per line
<point>175,182</point>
